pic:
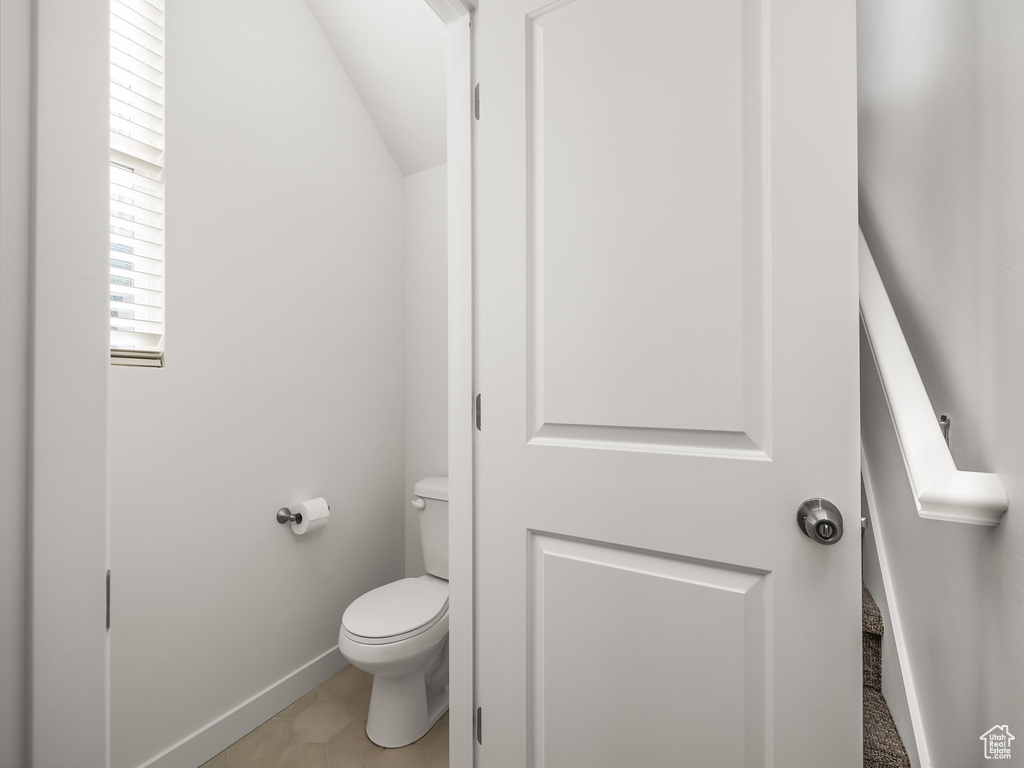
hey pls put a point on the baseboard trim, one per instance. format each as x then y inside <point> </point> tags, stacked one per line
<point>896,623</point>
<point>198,747</point>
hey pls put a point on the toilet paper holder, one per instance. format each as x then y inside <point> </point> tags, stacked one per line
<point>285,515</point>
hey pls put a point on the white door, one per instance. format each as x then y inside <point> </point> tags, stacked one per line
<point>666,266</point>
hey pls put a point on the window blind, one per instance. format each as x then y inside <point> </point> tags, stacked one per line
<point>137,181</point>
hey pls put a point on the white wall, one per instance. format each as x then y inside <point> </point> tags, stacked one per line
<point>426,342</point>
<point>15,68</point>
<point>919,190</point>
<point>395,53</point>
<point>942,187</point>
<point>284,378</point>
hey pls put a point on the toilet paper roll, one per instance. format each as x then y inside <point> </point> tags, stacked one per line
<point>315,514</point>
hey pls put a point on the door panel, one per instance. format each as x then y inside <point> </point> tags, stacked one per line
<point>608,621</point>
<point>658,252</point>
<point>666,345</point>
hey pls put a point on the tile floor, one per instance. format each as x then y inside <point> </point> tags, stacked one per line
<point>326,728</point>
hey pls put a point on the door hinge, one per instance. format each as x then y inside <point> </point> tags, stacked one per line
<point>108,598</point>
<point>478,412</point>
<point>476,101</point>
<point>480,726</point>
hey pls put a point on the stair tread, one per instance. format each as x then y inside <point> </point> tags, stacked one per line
<point>871,647</point>
<point>871,617</point>
<point>883,747</point>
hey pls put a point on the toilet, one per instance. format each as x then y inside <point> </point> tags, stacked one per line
<point>399,634</point>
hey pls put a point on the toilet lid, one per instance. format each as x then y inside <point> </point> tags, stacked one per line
<point>398,608</point>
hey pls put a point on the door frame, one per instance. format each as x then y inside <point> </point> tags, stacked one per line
<point>69,475</point>
<point>456,15</point>
<point>69,472</point>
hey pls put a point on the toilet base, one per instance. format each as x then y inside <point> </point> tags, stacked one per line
<point>402,709</point>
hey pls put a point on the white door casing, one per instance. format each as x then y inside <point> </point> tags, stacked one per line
<point>69,705</point>
<point>666,347</point>
<point>455,15</point>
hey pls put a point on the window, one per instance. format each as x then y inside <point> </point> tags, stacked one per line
<point>137,182</point>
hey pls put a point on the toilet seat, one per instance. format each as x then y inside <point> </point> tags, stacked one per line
<point>396,611</point>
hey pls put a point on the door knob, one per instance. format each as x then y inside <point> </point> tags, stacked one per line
<point>820,520</point>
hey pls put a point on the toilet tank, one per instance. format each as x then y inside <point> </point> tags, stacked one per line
<point>432,493</point>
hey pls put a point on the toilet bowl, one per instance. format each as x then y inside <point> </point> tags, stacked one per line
<point>399,634</point>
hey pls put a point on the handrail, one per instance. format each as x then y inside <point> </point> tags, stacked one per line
<point>941,491</point>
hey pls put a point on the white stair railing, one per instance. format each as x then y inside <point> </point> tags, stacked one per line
<point>941,491</point>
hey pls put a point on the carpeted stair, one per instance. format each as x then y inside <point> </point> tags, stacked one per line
<point>883,747</point>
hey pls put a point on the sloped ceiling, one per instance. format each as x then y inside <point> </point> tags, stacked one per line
<point>394,51</point>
